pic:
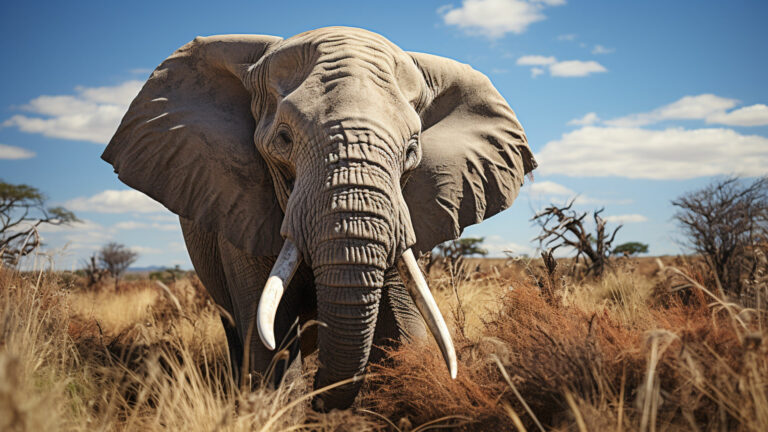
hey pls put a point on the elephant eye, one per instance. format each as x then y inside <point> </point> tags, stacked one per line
<point>283,138</point>
<point>281,144</point>
<point>412,154</point>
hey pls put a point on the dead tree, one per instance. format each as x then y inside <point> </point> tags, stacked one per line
<point>727,223</point>
<point>93,272</point>
<point>562,226</point>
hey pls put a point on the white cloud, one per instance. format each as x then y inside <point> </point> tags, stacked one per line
<point>575,68</point>
<point>549,188</point>
<point>497,247</point>
<point>588,119</point>
<point>551,192</point>
<point>626,218</point>
<point>144,250</point>
<point>566,37</point>
<point>567,68</point>
<point>12,152</point>
<point>91,114</point>
<point>132,225</point>
<point>116,201</point>
<point>674,153</point>
<point>495,18</point>
<point>754,115</point>
<point>535,60</point>
<point>707,107</point>
<point>599,49</point>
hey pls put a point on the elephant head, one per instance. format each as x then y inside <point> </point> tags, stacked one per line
<point>335,147</point>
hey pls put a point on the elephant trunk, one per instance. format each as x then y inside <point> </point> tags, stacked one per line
<point>348,261</point>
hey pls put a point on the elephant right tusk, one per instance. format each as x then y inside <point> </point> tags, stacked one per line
<point>417,287</point>
<point>280,276</point>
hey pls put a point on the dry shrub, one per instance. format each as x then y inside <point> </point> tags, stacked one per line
<point>60,370</point>
<point>616,353</point>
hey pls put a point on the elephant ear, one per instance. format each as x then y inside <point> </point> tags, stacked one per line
<point>474,152</point>
<point>187,142</point>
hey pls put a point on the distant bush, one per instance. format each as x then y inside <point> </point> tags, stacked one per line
<point>630,248</point>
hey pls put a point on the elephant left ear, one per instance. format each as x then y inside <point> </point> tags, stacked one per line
<point>475,154</point>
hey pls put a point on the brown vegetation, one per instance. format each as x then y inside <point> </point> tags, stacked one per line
<point>639,349</point>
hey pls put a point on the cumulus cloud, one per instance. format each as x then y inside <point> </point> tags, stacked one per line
<point>588,119</point>
<point>496,18</point>
<point>549,188</point>
<point>116,201</point>
<point>754,115</point>
<point>674,153</point>
<point>133,225</point>
<point>599,49</point>
<point>626,218</point>
<point>575,68</point>
<point>498,247</point>
<point>91,114</point>
<point>549,191</point>
<point>708,107</point>
<point>535,60</point>
<point>12,152</point>
<point>566,68</point>
<point>144,250</point>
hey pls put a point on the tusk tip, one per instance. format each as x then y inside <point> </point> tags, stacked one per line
<point>267,339</point>
<point>452,367</point>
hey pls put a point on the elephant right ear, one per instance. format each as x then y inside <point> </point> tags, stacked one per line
<point>187,142</point>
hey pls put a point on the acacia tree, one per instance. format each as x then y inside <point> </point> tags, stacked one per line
<point>630,249</point>
<point>727,223</point>
<point>562,226</point>
<point>22,212</point>
<point>451,251</point>
<point>116,258</point>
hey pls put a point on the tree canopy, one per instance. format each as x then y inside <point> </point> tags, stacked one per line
<point>22,212</point>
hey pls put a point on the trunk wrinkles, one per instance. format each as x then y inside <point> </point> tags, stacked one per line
<point>351,237</point>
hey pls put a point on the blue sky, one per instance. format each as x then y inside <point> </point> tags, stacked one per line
<point>627,104</point>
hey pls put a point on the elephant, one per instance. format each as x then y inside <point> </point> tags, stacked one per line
<point>308,173</point>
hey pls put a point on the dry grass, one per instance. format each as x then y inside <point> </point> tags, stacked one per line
<point>632,351</point>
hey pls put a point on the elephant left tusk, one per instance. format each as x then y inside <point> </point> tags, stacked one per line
<point>417,287</point>
<point>280,276</point>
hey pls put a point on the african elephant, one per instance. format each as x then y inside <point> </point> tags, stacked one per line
<point>315,167</point>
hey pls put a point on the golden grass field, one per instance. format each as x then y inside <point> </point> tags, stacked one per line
<point>648,347</point>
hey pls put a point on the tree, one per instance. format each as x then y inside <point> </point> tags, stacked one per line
<point>22,212</point>
<point>562,226</point>
<point>116,258</point>
<point>451,251</point>
<point>727,223</point>
<point>630,248</point>
<point>93,272</point>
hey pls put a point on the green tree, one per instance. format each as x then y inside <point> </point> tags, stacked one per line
<point>630,248</point>
<point>463,247</point>
<point>22,212</point>
<point>116,258</point>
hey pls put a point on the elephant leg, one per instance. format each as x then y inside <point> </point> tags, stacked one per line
<point>398,320</point>
<point>203,249</point>
<point>246,277</point>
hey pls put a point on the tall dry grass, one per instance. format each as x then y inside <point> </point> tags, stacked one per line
<point>536,351</point>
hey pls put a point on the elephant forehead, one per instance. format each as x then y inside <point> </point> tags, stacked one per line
<point>336,54</point>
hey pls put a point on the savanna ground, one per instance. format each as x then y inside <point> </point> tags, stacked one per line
<point>650,346</point>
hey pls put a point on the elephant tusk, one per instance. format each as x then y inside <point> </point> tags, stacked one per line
<point>417,287</point>
<point>280,276</point>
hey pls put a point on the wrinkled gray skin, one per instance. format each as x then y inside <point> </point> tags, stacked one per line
<point>337,140</point>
